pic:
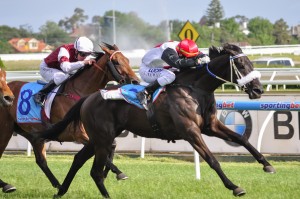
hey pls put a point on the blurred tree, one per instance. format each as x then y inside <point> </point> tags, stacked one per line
<point>1,64</point>
<point>176,27</point>
<point>53,35</point>
<point>7,33</point>
<point>231,31</point>
<point>5,47</point>
<point>25,30</point>
<point>281,32</point>
<point>96,19</point>
<point>69,23</point>
<point>261,31</point>
<point>241,19</point>
<point>214,12</point>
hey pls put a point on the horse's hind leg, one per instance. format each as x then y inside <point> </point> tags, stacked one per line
<point>110,166</point>
<point>221,131</point>
<point>40,158</point>
<point>79,159</point>
<point>97,170</point>
<point>6,131</point>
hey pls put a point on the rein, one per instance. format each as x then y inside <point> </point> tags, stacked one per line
<point>111,67</point>
<point>242,80</point>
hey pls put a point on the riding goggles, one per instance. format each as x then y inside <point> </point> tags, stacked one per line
<point>83,54</point>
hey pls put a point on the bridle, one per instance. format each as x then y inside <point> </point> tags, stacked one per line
<point>242,80</point>
<point>116,75</point>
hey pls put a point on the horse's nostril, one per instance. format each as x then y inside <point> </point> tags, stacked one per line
<point>9,98</point>
<point>258,91</point>
<point>134,82</point>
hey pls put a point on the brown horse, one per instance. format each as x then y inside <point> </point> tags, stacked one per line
<point>6,100</point>
<point>6,95</point>
<point>185,111</point>
<point>112,65</point>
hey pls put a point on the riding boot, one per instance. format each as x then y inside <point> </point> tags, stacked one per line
<point>39,97</point>
<point>145,95</point>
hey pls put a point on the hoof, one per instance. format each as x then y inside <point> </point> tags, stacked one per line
<point>269,169</point>
<point>8,188</point>
<point>239,192</point>
<point>121,176</point>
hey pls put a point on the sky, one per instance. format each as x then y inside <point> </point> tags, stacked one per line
<point>36,13</point>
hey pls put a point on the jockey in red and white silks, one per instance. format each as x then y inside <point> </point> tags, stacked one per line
<point>58,65</point>
<point>67,58</point>
<point>159,63</point>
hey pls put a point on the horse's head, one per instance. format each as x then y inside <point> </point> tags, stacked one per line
<point>119,65</point>
<point>6,95</point>
<point>241,70</point>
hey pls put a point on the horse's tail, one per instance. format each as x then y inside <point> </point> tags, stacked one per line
<point>73,115</point>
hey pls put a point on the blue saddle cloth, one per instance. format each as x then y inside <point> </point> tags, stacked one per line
<point>129,92</point>
<point>28,111</point>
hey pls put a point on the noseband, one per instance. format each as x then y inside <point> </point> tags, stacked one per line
<point>242,80</point>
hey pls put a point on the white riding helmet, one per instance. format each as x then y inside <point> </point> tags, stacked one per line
<point>83,44</point>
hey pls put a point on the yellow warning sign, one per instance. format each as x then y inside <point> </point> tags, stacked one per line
<point>188,32</point>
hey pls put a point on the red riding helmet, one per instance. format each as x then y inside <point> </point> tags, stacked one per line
<point>187,48</point>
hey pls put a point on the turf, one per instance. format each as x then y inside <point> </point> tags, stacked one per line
<point>152,177</point>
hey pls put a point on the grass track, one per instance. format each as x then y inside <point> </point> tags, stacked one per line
<point>151,178</point>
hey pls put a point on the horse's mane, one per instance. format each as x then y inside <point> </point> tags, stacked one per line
<point>225,49</point>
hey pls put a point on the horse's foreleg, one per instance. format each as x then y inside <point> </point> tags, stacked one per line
<point>40,158</point>
<point>221,131</point>
<point>97,170</point>
<point>7,188</point>
<point>199,145</point>
<point>6,131</point>
<point>79,159</point>
<point>110,166</point>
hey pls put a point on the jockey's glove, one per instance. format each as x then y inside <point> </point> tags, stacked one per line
<point>204,60</point>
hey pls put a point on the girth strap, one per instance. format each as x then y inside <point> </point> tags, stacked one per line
<point>152,118</point>
<point>153,122</point>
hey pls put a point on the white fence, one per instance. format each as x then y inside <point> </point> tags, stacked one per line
<point>270,76</point>
<point>136,55</point>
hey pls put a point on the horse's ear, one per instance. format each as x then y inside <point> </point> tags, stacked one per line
<point>232,49</point>
<point>103,47</point>
<point>116,47</point>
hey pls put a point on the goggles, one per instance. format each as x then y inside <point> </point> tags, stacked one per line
<point>83,54</point>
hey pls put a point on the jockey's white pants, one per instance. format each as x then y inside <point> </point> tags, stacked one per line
<point>150,74</point>
<point>49,74</point>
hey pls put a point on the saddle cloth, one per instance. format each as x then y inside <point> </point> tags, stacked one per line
<point>28,111</point>
<point>128,93</point>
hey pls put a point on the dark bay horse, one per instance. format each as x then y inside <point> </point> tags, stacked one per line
<point>110,65</point>
<point>186,110</point>
<point>6,100</point>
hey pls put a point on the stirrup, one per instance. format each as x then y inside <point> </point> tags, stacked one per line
<point>143,97</point>
<point>39,99</point>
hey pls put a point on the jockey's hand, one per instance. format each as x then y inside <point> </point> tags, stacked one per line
<point>89,61</point>
<point>204,60</point>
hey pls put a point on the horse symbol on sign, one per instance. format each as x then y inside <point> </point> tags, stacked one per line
<point>188,32</point>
